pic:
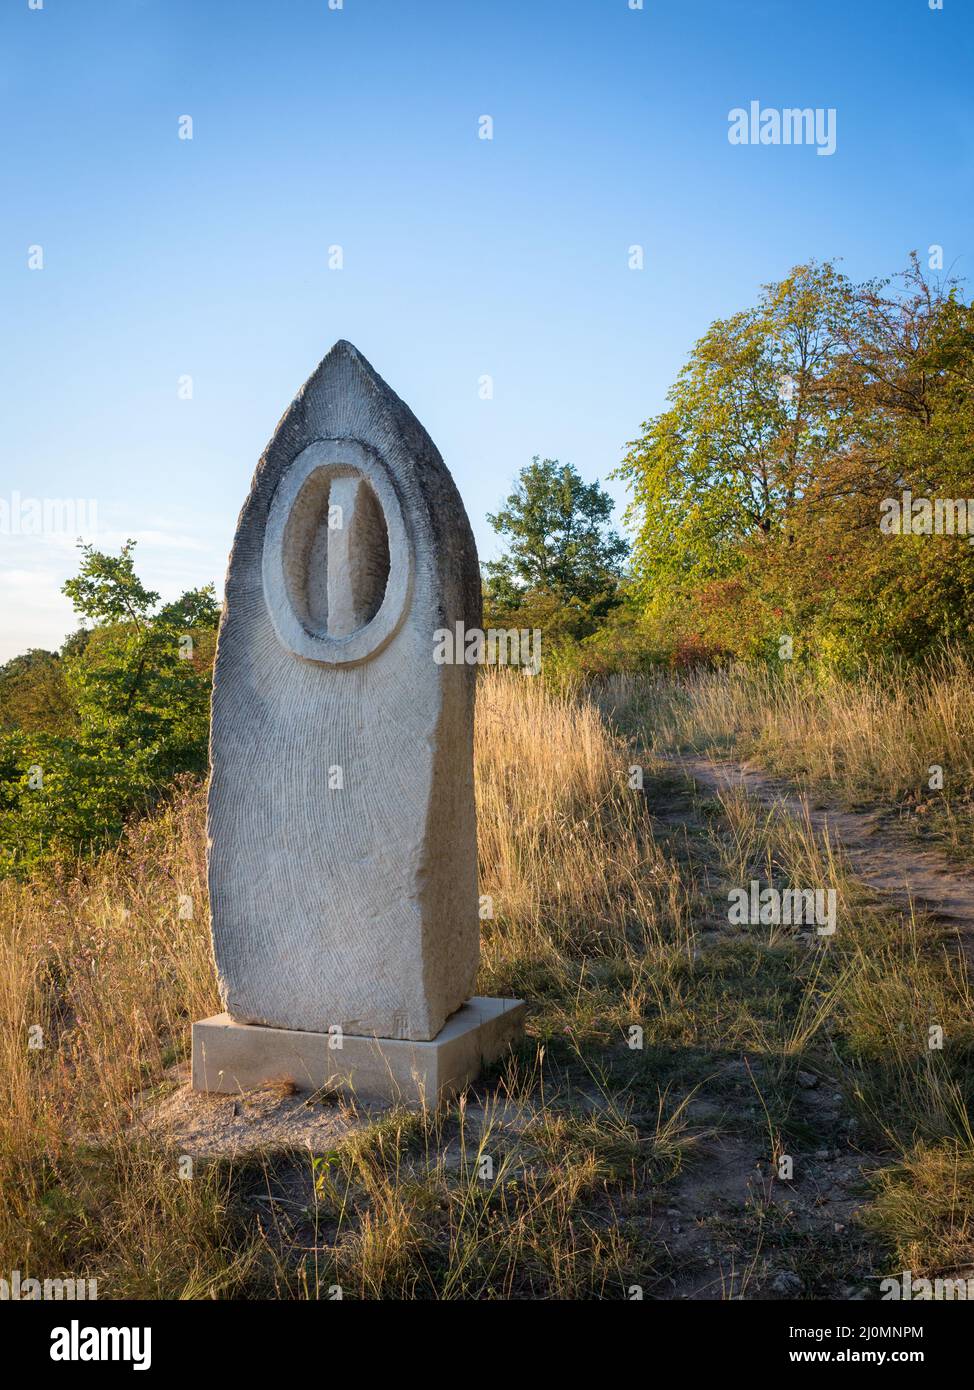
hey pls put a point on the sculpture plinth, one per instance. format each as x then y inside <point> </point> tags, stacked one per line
<point>341,822</point>
<point>230,1057</point>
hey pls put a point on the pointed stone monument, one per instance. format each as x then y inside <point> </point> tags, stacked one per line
<point>342,842</point>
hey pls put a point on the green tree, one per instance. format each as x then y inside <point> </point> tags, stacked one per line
<point>745,431</point>
<point>138,679</point>
<point>142,678</point>
<point>563,561</point>
<point>34,695</point>
<point>757,494</point>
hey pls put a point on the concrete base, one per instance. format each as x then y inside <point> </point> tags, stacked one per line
<point>231,1057</point>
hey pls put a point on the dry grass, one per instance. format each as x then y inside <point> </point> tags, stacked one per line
<point>924,1204</point>
<point>600,924</point>
<point>579,885</point>
<point>871,740</point>
<point>103,976</point>
<point>509,1201</point>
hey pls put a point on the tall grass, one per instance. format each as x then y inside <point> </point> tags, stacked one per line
<point>100,976</point>
<point>567,855</point>
<point>875,737</point>
<point>104,965</point>
<point>599,923</point>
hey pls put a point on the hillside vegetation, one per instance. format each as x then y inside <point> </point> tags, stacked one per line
<point>609,912</point>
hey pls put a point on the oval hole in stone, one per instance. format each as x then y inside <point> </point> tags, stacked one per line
<point>335,553</point>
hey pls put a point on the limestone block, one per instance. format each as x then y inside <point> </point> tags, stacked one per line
<point>341,825</point>
<point>230,1058</point>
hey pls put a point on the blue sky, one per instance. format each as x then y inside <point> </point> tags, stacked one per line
<point>358,127</point>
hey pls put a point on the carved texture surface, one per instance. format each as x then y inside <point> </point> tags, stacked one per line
<point>356,906</point>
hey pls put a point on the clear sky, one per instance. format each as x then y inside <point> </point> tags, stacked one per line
<point>313,127</point>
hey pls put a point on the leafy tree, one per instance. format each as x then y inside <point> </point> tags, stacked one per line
<point>564,562</point>
<point>757,508</point>
<point>34,694</point>
<point>745,431</point>
<point>138,681</point>
<point>142,678</point>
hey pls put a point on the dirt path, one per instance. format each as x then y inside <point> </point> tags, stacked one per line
<point>903,872</point>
